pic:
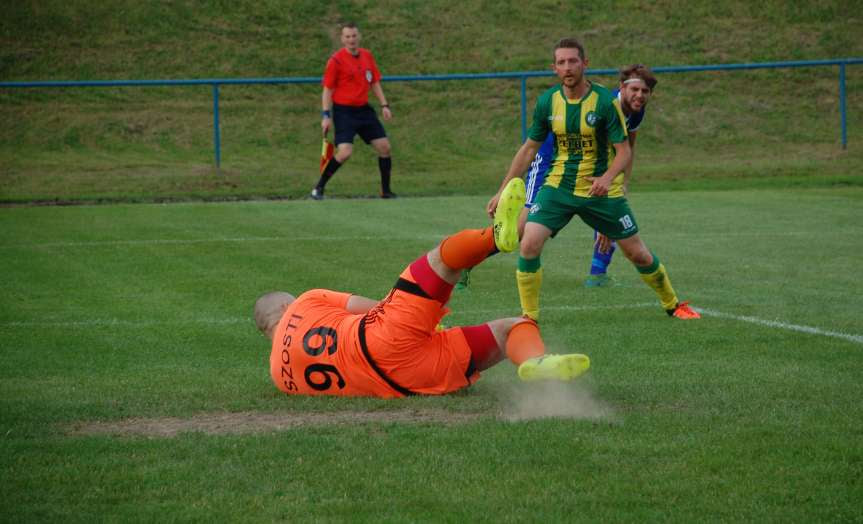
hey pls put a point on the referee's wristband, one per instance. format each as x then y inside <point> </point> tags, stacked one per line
<point>325,113</point>
<point>385,105</point>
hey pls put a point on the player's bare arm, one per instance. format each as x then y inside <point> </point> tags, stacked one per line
<point>518,167</point>
<point>326,108</point>
<point>385,107</point>
<point>359,304</point>
<point>603,243</point>
<point>623,154</point>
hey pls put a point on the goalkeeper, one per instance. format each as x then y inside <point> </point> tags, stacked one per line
<point>334,343</point>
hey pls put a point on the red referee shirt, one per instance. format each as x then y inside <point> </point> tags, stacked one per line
<point>350,77</point>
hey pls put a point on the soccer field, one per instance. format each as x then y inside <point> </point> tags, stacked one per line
<point>134,387</point>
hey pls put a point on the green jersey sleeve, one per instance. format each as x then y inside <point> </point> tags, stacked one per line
<point>539,129</point>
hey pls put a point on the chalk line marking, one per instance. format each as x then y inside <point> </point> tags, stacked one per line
<point>329,238</point>
<point>224,240</point>
<point>110,322</point>
<point>782,325</point>
<point>116,322</point>
<point>514,310</point>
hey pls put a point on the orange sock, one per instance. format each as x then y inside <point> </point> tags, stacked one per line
<point>467,248</point>
<point>524,342</point>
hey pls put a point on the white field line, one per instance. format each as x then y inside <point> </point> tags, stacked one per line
<point>513,311</point>
<point>114,322</point>
<point>229,240</point>
<point>111,322</point>
<point>782,325</point>
<point>718,314</point>
<point>334,238</point>
<point>108,322</point>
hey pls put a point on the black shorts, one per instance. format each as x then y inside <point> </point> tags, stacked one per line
<point>362,120</point>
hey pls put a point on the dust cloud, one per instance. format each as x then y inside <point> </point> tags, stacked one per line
<point>552,399</point>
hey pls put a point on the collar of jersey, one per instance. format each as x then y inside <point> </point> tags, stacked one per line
<point>576,102</point>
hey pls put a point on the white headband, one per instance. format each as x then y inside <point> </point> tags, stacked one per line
<point>631,80</point>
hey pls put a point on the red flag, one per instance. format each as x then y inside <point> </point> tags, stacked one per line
<point>327,150</point>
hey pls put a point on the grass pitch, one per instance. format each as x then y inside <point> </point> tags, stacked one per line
<point>133,385</point>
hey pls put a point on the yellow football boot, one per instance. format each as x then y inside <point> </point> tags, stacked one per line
<point>554,367</point>
<point>506,215</point>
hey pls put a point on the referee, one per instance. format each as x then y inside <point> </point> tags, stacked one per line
<point>350,73</point>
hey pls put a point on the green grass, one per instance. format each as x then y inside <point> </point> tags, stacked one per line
<point>703,130</point>
<point>117,313</point>
<point>134,313</point>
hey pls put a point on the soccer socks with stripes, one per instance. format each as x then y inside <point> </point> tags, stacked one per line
<point>421,273</point>
<point>467,248</point>
<point>484,351</point>
<point>332,166</point>
<point>656,277</point>
<point>524,342</point>
<point>528,276</point>
<point>600,261</point>
<point>386,166</point>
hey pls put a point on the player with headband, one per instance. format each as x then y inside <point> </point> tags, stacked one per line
<point>636,85</point>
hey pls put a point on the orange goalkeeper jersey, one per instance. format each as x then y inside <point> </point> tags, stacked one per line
<point>319,348</point>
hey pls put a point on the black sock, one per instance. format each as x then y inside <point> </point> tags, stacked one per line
<point>385,165</point>
<point>332,166</point>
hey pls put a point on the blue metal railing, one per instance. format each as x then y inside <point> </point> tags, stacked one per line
<point>522,76</point>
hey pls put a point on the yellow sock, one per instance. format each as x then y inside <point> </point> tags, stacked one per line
<point>658,280</point>
<point>529,284</point>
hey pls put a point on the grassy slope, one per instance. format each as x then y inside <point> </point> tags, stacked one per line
<point>449,137</point>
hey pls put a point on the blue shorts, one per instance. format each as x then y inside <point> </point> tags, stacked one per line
<point>535,180</point>
<point>538,168</point>
<point>351,121</point>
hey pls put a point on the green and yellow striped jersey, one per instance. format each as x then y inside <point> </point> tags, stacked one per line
<point>584,133</point>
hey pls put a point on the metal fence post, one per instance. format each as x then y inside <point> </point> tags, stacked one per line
<point>842,112</point>
<point>216,139</point>
<point>522,75</point>
<point>523,108</point>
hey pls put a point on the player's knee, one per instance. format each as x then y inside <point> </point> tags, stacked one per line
<point>533,240</point>
<point>383,148</point>
<point>343,153</point>
<point>530,248</point>
<point>501,327</point>
<point>440,268</point>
